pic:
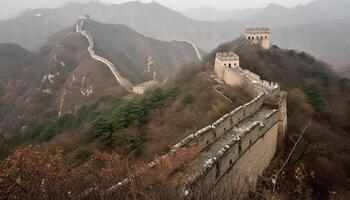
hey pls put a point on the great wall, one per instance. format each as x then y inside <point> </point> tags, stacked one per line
<point>124,82</point>
<point>238,147</point>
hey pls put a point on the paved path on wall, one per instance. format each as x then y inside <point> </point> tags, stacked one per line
<point>194,47</point>
<point>126,84</point>
<point>214,151</point>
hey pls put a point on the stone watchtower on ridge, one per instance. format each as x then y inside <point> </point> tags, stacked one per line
<point>260,36</point>
<point>225,60</point>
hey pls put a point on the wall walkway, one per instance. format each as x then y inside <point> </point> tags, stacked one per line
<point>126,84</point>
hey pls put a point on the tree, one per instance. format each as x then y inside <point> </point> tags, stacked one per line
<point>315,97</point>
<point>101,128</point>
<point>187,99</point>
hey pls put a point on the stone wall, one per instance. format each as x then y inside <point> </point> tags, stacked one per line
<point>125,83</point>
<point>236,166</point>
<point>209,134</point>
<point>244,173</point>
<point>239,165</point>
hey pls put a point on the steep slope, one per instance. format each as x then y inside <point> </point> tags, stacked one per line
<point>315,94</point>
<point>138,57</point>
<point>318,169</point>
<point>62,76</point>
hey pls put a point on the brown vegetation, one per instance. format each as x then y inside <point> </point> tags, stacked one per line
<point>314,93</point>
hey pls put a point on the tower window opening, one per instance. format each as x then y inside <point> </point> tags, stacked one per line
<point>262,37</point>
<point>231,162</point>
<point>265,37</point>
<point>235,64</point>
<point>229,65</point>
<point>252,37</point>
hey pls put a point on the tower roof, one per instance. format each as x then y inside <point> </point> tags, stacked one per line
<point>227,56</point>
<point>255,30</point>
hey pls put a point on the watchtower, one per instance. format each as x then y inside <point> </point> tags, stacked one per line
<point>225,60</point>
<point>259,35</point>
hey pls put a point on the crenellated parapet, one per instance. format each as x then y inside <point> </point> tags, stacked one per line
<point>259,35</point>
<point>236,76</point>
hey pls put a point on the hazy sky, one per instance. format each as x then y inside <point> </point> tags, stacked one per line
<point>10,7</point>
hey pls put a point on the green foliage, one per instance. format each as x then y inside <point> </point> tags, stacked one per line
<point>101,128</point>
<point>315,97</point>
<point>129,114</point>
<point>128,138</point>
<point>49,131</point>
<point>89,113</point>
<point>270,54</point>
<point>2,92</point>
<point>292,53</point>
<point>306,57</point>
<point>66,122</point>
<point>187,99</point>
<point>82,156</point>
<point>46,131</point>
<point>275,47</point>
<point>315,72</point>
<point>344,84</point>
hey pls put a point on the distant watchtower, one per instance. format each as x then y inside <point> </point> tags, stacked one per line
<point>260,36</point>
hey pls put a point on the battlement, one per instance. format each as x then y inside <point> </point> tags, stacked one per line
<point>227,56</point>
<point>259,35</point>
<point>228,70</point>
<point>257,30</point>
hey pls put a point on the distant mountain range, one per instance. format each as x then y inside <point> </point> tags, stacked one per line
<point>320,27</point>
<point>206,13</point>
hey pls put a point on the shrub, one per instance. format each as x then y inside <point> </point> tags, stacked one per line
<point>315,97</point>
<point>48,132</point>
<point>302,55</point>
<point>218,109</point>
<point>65,122</point>
<point>275,47</point>
<point>292,53</point>
<point>129,114</point>
<point>128,138</point>
<point>101,128</point>
<point>187,99</point>
<point>315,72</point>
<point>2,92</point>
<point>82,156</point>
<point>270,54</point>
<point>344,84</point>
